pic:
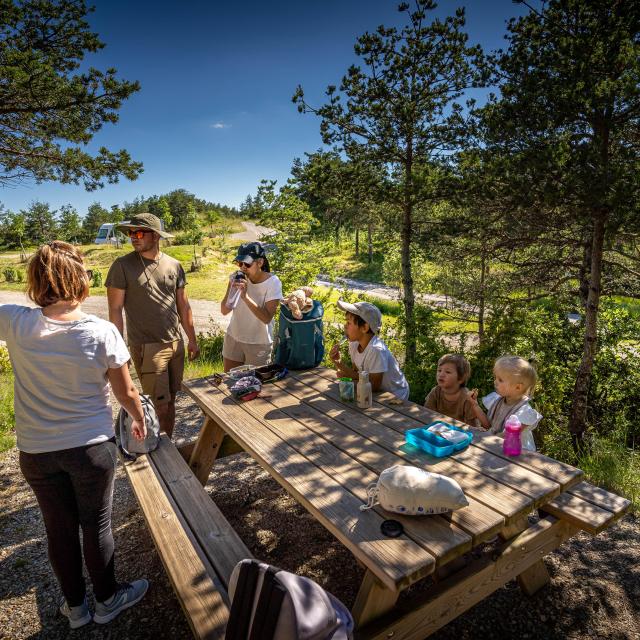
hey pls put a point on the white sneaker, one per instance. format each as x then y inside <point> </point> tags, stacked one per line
<point>126,596</point>
<point>78,616</point>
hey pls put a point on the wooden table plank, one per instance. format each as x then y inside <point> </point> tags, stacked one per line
<point>510,501</point>
<point>438,535</point>
<point>479,521</point>
<point>564,474</point>
<point>395,562</point>
<point>538,487</point>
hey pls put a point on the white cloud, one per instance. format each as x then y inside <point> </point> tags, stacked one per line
<point>220,125</point>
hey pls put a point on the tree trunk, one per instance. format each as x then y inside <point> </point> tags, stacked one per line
<point>585,268</point>
<point>357,241</point>
<point>407,277</point>
<point>369,243</point>
<point>578,415</point>
<point>484,272</point>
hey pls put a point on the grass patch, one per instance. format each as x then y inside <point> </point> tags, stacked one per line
<point>614,466</point>
<point>7,416</point>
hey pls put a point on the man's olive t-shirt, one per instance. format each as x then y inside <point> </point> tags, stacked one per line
<point>150,296</point>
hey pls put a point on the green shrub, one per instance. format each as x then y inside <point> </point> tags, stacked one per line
<point>96,280</point>
<point>7,416</point>
<point>11,274</point>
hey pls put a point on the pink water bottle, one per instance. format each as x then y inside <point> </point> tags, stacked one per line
<point>512,445</point>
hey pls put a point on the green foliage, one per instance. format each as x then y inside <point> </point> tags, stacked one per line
<point>97,279</point>
<point>210,358</point>
<point>40,222</point>
<point>297,261</point>
<point>51,109</point>
<point>11,274</point>
<point>69,225</point>
<point>7,416</point>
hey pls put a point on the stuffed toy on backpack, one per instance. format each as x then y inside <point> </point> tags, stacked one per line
<point>270,604</point>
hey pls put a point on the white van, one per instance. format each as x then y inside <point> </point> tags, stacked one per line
<point>107,234</point>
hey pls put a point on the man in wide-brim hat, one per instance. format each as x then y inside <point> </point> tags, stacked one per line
<point>150,287</point>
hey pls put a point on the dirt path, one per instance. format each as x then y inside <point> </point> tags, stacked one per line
<point>205,312</point>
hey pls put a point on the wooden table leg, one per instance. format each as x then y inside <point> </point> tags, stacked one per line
<point>536,576</point>
<point>206,449</point>
<point>373,600</point>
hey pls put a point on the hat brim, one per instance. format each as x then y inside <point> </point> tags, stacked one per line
<point>125,226</point>
<point>351,308</point>
<point>247,259</point>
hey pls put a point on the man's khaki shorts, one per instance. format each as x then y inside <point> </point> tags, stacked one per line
<point>256,354</point>
<point>159,366</point>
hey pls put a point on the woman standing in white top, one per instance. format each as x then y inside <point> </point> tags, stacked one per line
<point>249,337</point>
<point>63,363</point>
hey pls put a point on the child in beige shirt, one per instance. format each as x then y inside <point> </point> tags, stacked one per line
<point>451,397</point>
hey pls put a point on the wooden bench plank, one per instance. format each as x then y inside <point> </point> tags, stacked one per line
<point>580,513</point>
<point>395,562</point>
<point>221,544</point>
<point>477,520</point>
<point>601,498</point>
<point>510,502</point>
<point>200,598</point>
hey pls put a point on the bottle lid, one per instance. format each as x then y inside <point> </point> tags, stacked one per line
<point>345,379</point>
<point>513,423</point>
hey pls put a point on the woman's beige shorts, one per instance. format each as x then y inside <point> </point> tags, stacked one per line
<point>257,354</point>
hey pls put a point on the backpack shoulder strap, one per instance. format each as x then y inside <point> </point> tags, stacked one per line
<point>268,609</point>
<point>240,613</point>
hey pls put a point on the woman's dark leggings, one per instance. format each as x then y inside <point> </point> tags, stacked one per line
<point>74,488</point>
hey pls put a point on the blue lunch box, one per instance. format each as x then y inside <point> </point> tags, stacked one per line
<point>436,445</point>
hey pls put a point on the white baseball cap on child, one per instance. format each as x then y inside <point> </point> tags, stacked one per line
<point>365,310</point>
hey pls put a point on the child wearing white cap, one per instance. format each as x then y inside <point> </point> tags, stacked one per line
<point>367,351</point>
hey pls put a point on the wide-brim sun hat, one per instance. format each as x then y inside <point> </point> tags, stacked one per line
<point>365,310</point>
<point>144,221</point>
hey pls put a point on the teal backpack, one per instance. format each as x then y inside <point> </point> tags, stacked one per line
<point>300,343</point>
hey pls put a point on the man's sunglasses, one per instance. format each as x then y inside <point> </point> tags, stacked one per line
<point>243,264</point>
<point>139,233</point>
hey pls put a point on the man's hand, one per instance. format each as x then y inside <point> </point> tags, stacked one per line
<point>193,349</point>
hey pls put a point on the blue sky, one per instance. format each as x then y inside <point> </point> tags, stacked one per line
<point>214,115</point>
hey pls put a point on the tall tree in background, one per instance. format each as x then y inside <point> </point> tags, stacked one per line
<point>96,216</point>
<point>69,224</point>
<point>48,109</point>
<point>40,223</point>
<point>568,128</point>
<point>400,113</point>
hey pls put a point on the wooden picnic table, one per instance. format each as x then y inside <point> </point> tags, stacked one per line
<point>325,453</point>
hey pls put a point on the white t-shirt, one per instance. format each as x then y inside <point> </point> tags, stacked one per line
<point>376,358</point>
<point>61,388</point>
<point>244,326</point>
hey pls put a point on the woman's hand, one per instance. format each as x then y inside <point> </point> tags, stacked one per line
<point>334,354</point>
<point>139,429</point>
<point>241,285</point>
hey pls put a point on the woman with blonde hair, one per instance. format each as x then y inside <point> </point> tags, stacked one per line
<point>64,362</point>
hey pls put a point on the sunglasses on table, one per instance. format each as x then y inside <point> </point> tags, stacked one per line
<point>139,233</point>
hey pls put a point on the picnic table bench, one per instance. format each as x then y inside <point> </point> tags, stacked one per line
<point>325,453</point>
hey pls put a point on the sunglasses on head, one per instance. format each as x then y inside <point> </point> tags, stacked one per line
<point>139,233</point>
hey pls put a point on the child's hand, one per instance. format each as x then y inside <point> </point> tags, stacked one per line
<point>334,354</point>
<point>473,396</point>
